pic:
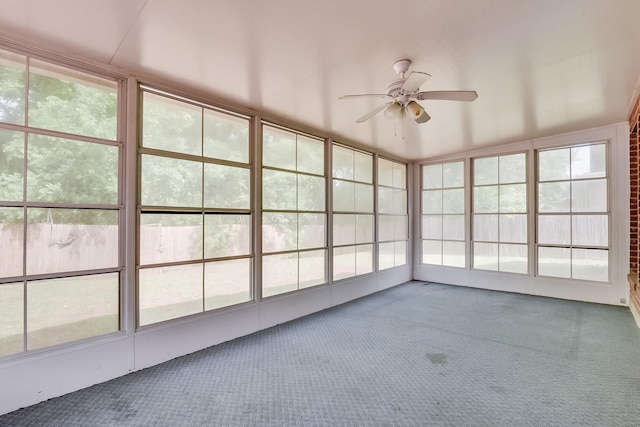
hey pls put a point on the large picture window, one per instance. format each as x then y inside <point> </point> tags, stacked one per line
<point>393,220</point>
<point>60,204</point>
<point>353,218</point>
<point>195,213</point>
<point>294,244</point>
<point>500,239</point>
<point>443,215</point>
<point>573,213</point>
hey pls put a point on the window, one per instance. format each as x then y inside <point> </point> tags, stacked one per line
<point>393,221</point>
<point>60,204</point>
<point>443,223</point>
<point>195,216</point>
<point>500,214</point>
<point>353,219</point>
<point>293,211</point>
<point>573,216</point>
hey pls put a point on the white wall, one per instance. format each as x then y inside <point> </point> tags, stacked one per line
<point>615,292</point>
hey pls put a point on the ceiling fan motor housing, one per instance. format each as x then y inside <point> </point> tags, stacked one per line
<point>394,90</point>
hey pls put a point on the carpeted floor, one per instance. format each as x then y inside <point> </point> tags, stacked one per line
<point>415,355</point>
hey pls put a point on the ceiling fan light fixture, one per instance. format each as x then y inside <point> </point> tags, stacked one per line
<point>393,110</point>
<point>414,109</point>
<point>423,117</point>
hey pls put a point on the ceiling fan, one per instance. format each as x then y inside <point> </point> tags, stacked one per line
<point>401,95</point>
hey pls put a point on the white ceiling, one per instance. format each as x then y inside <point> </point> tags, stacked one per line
<point>540,67</point>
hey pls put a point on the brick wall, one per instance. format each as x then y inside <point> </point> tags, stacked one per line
<point>634,203</point>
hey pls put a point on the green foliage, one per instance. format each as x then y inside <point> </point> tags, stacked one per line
<point>12,89</point>
<point>11,164</point>
<point>72,107</point>
<point>58,170</point>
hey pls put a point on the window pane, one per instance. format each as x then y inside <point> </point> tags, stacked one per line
<point>170,237</point>
<point>386,255</point>
<point>431,227</point>
<point>11,160</point>
<point>279,231</point>
<point>310,155</point>
<point>169,292</point>
<point>171,125</point>
<point>344,262</point>
<point>385,173</point>
<point>400,253</point>
<point>399,202</point>
<point>513,258</point>
<point>589,196</point>
<point>385,200</point>
<point>400,227</point>
<point>279,274</point>
<point>485,199</point>
<point>11,315</point>
<point>588,161</point>
<point>485,228</point>
<point>363,167</point>
<point>364,228</point>
<point>63,170</point>
<point>432,176</point>
<point>512,168</point>
<point>12,238</point>
<point>278,148</point>
<point>342,163</point>
<point>554,229</point>
<point>12,87</point>
<point>513,198</point>
<point>385,227</point>
<point>171,182</point>
<point>453,254</point>
<point>364,259</point>
<point>278,190</point>
<point>432,201</point>
<point>553,165</point>
<point>453,175</point>
<point>344,229</point>
<point>590,264</point>
<point>70,309</point>
<point>453,227</point>
<point>453,201</point>
<point>227,283</point>
<point>227,235</point>
<point>485,256</point>
<point>432,252</point>
<point>226,187</point>
<point>364,197</point>
<point>554,197</point>
<point>554,262</point>
<point>311,231</point>
<point>485,171</point>
<point>343,196</point>
<point>225,137</point>
<point>311,193</point>
<point>71,240</point>
<point>399,175</point>
<point>69,101</point>
<point>590,230</point>
<point>513,228</point>
<point>312,268</point>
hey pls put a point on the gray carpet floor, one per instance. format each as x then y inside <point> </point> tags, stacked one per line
<point>419,354</point>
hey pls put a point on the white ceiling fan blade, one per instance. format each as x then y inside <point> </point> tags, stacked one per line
<point>366,95</point>
<point>414,81</point>
<point>373,112</point>
<point>448,95</point>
